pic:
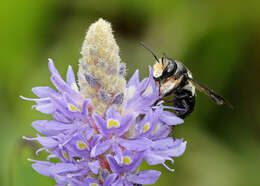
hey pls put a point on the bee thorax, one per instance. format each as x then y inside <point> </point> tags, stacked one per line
<point>190,87</point>
<point>169,85</point>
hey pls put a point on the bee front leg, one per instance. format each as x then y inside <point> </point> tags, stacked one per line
<point>167,100</point>
<point>164,100</point>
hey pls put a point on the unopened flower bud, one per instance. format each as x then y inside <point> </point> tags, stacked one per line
<point>101,73</point>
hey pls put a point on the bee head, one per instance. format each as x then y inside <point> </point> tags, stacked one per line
<point>164,68</point>
<point>158,69</point>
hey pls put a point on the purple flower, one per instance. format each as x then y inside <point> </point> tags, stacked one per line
<point>142,95</point>
<point>94,149</point>
<point>63,173</point>
<point>124,170</point>
<point>164,149</point>
<point>112,129</point>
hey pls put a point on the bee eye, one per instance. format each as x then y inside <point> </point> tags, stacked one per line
<point>170,69</point>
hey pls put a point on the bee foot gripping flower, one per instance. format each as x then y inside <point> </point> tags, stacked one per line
<point>103,128</point>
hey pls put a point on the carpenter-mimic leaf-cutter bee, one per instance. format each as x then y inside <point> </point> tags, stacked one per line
<point>173,78</point>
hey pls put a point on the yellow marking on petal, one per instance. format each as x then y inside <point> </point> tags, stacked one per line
<point>81,145</point>
<point>65,155</point>
<point>148,91</point>
<point>72,108</point>
<point>93,184</point>
<point>146,127</point>
<point>127,160</point>
<point>131,92</point>
<point>112,123</point>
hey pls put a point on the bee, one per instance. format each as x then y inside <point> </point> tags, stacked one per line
<point>174,78</point>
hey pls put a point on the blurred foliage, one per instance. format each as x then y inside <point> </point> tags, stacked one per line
<point>218,40</point>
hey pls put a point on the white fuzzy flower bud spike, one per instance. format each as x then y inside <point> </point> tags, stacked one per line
<point>101,73</point>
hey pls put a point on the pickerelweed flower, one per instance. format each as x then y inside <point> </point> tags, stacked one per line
<point>103,127</point>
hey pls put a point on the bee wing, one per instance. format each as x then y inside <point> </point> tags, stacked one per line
<point>215,97</point>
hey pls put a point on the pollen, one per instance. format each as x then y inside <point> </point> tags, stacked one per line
<point>81,145</point>
<point>146,127</point>
<point>127,160</point>
<point>112,123</point>
<point>93,184</point>
<point>65,155</point>
<point>72,108</point>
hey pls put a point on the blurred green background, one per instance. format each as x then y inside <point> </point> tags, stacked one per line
<point>219,40</point>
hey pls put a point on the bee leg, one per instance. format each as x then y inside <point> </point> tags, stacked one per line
<point>184,99</point>
<point>165,100</point>
<point>187,105</point>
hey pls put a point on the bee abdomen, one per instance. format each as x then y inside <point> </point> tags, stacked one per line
<point>184,99</point>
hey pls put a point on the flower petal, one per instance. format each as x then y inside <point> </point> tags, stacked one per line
<point>127,183</point>
<point>138,144</point>
<point>47,142</point>
<point>42,167</point>
<point>136,162</point>
<point>118,153</point>
<point>153,159</point>
<point>94,166</point>
<point>85,108</point>
<point>175,151</point>
<point>113,164</point>
<point>169,118</point>
<point>63,167</point>
<point>96,139</point>
<point>100,148</point>
<point>134,80</point>
<point>160,131</point>
<point>50,128</point>
<point>162,143</point>
<point>112,113</point>
<point>118,182</point>
<point>70,76</point>
<point>101,125</point>
<point>125,124</point>
<point>110,179</point>
<point>145,177</point>
<point>90,182</point>
<point>61,106</point>
<point>45,108</point>
<point>63,87</point>
<point>43,92</point>
<point>52,68</point>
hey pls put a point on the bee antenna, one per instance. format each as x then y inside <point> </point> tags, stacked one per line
<point>141,43</point>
